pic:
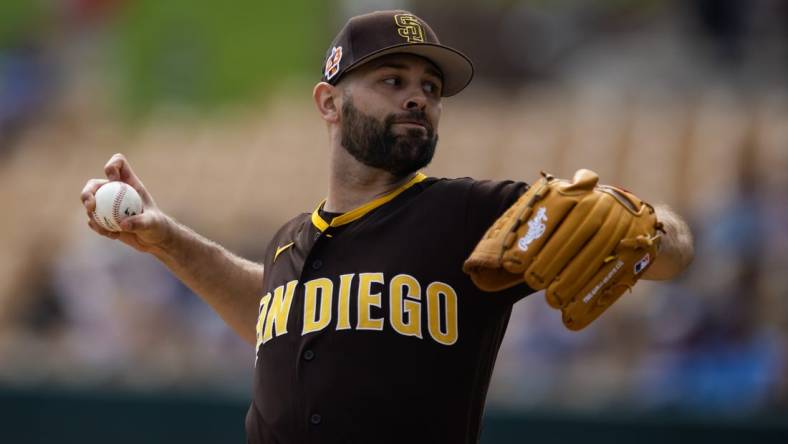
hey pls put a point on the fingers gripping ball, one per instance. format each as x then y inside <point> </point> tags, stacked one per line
<point>114,202</point>
<point>583,243</point>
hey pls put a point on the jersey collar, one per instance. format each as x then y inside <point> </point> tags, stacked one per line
<point>359,212</point>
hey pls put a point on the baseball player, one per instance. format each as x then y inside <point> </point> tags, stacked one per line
<point>367,328</point>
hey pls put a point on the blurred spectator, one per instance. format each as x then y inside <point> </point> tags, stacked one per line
<point>726,23</point>
<point>101,315</point>
<point>724,357</point>
<point>27,83</point>
<point>124,307</point>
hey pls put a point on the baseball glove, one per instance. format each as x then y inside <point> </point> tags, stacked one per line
<point>582,242</point>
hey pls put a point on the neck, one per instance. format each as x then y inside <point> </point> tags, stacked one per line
<point>352,184</point>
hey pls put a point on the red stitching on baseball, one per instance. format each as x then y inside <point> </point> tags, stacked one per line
<point>116,205</point>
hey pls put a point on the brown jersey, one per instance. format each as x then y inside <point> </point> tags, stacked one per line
<point>369,331</point>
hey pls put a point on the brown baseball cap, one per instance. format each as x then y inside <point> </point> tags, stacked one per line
<point>369,36</point>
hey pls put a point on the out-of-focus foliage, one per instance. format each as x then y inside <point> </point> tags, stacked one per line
<point>18,17</point>
<point>558,4</point>
<point>208,53</point>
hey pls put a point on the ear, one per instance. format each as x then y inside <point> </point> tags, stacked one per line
<point>326,97</point>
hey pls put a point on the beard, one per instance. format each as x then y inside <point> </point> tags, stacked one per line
<point>374,143</point>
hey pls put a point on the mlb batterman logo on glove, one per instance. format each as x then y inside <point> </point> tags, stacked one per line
<point>584,243</point>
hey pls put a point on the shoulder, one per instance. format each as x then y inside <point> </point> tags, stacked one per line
<point>470,182</point>
<point>495,194</point>
<point>294,224</point>
<point>474,204</point>
<point>290,230</point>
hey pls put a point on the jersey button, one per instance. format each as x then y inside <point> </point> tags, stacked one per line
<point>315,419</point>
<point>309,355</point>
<point>317,264</point>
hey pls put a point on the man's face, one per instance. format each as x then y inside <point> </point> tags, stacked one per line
<point>390,112</point>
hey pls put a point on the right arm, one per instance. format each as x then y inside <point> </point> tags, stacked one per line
<point>231,285</point>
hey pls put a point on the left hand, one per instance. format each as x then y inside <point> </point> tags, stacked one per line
<point>584,243</point>
<point>676,249</point>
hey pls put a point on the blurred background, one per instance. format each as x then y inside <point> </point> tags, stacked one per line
<point>681,101</point>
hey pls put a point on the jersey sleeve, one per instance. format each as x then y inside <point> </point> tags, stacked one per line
<point>486,201</point>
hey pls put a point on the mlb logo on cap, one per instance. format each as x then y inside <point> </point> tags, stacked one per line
<point>332,64</point>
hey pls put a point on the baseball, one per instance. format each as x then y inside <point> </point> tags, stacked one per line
<point>114,202</point>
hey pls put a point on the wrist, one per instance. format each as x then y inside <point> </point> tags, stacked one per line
<point>165,248</point>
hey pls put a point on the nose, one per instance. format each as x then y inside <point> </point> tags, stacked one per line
<point>416,101</point>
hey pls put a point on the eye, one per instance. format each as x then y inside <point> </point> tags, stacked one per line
<point>431,88</point>
<point>393,81</point>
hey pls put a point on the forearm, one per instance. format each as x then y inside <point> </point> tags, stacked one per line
<point>231,285</point>
<point>676,247</point>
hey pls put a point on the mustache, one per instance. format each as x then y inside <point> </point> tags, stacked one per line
<point>419,117</point>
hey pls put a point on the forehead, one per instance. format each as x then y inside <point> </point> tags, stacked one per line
<point>406,62</point>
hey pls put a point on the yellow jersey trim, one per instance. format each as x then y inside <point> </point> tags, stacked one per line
<point>279,250</point>
<point>358,213</point>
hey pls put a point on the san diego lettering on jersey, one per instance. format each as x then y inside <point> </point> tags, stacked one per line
<point>414,309</point>
<point>400,321</point>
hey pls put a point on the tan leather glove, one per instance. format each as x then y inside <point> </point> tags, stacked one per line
<point>582,242</point>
